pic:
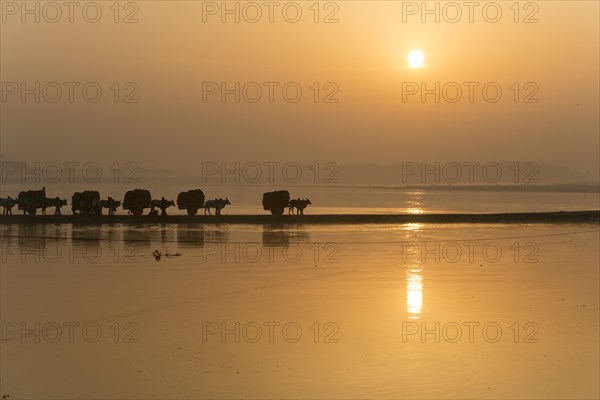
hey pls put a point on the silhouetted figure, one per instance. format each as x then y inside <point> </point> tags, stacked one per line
<point>111,206</point>
<point>163,206</point>
<point>158,255</point>
<point>8,207</point>
<point>58,205</point>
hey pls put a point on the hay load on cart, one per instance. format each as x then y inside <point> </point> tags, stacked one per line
<point>86,202</point>
<point>192,201</point>
<point>276,202</point>
<point>136,200</point>
<point>30,200</point>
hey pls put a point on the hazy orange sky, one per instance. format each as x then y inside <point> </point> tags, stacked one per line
<point>170,52</point>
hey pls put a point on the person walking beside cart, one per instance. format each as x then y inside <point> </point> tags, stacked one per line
<point>163,206</point>
<point>58,205</point>
<point>9,205</point>
<point>111,204</point>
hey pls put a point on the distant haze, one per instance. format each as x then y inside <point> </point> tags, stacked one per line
<point>170,54</point>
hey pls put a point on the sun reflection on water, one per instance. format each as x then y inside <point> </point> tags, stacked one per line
<point>414,292</point>
<point>412,227</point>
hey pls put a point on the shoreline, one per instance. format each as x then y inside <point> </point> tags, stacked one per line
<point>592,216</point>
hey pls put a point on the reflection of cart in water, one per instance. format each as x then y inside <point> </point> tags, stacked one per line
<point>276,202</point>
<point>190,235</point>
<point>280,235</point>
<point>136,200</point>
<point>192,201</point>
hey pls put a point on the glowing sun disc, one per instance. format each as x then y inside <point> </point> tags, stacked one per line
<point>416,58</point>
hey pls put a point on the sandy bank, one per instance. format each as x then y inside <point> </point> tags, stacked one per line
<point>503,218</point>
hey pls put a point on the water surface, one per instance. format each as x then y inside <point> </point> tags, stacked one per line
<point>349,297</point>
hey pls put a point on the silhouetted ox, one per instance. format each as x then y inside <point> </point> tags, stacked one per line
<point>299,205</point>
<point>217,204</point>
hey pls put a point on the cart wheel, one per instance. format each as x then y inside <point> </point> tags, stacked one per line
<point>277,211</point>
<point>192,211</point>
<point>32,210</point>
<point>137,211</point>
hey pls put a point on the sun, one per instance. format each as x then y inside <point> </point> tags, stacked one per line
<point>416,58</point>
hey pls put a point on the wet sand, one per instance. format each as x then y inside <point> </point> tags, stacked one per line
<point>501,218</point>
